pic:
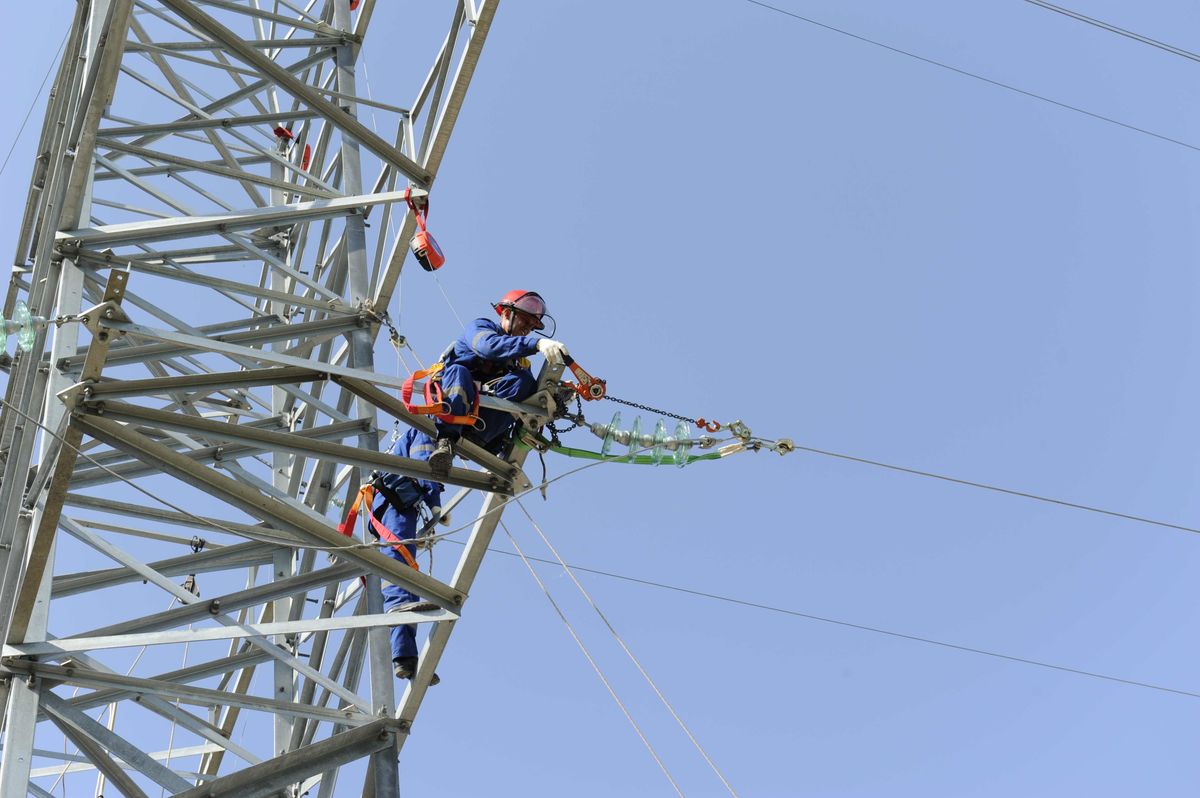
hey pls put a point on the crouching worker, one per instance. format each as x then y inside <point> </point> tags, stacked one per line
<point>494,355</point>
<point>398,503</point>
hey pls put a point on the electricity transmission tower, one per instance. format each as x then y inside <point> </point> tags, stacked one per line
<point>211,239</point>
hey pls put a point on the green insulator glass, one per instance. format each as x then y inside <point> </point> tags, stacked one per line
<point>660,438</point>
<point>26,334</point>
<point>683,448</point>
<point>635,437</point>
<point>611,436</point>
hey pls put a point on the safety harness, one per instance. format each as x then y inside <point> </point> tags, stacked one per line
<point>435,401</point>
<point>365,500</point>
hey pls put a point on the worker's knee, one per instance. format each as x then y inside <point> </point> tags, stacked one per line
<point>458,376</point>
<point>514,386</point>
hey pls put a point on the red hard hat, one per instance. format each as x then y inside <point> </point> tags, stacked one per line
<point>529,302</point>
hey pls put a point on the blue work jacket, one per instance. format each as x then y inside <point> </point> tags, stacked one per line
<point>487,352</point>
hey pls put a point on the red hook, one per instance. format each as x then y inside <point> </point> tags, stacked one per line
<point>709,426</point>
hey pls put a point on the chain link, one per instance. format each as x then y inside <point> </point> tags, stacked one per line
<point>394,335</point>
<point>576,420</point>
<point>649,409</point>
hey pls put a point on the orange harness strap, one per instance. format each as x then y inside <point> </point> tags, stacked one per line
<point>364,500</point>
<point>436,406</point>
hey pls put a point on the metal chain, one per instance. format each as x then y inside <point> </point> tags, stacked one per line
<point>649,409</point>
<point>394,335</point>
<point>576,420</point>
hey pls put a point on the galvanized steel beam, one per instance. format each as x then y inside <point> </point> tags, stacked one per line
<point>261,288</point>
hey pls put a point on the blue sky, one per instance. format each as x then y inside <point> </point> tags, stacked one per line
<point>736,214</point>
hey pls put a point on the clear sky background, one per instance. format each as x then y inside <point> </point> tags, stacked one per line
<point>735,213</point>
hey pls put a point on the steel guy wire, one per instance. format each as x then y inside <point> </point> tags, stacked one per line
<point>587,596</point>
<point>608,686</point>
<point>997,83</point>
<point>1114,29</point>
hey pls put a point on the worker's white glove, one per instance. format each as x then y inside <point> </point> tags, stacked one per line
<point>554,351</point>
<point>439,516</point>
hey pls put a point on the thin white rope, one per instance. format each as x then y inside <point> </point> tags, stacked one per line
<point>592,661</point>
<point>175,720</point>
<point>395,235</point>
<point>112,718</point>
<point>453,310</point>
<point>629,653</point>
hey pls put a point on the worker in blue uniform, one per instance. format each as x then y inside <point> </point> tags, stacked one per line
<point>493,354</point>
<point>398,506</point>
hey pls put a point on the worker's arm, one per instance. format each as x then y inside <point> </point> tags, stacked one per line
<point>487,342</point>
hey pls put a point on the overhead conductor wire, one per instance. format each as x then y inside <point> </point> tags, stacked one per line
<point>267,538</point>
<point>997,489</point>
<point>629,653</point>
<point>592,661</point>
<point>1114,29</point>
<point>860,627</point>
<point>965,73</point>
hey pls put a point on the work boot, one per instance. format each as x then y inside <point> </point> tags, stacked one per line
<point>442,457</point>
<point>406,667</point>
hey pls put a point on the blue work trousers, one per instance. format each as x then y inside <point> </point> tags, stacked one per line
<point>458,389</point>
<point>404,638</point>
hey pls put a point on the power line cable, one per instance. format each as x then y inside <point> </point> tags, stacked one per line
<point>1114,29</point>
<point>858,626</point>
<point>1000,84</point>
<point>823,452</point>
<point>295,544</point>
<point>996,488</point>
<point>591,661</point>
<point>33,104</point>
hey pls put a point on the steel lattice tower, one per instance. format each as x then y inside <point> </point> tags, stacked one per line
<point>207,293</point>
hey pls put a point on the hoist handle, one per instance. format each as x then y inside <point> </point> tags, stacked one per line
<point>589,387</point>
